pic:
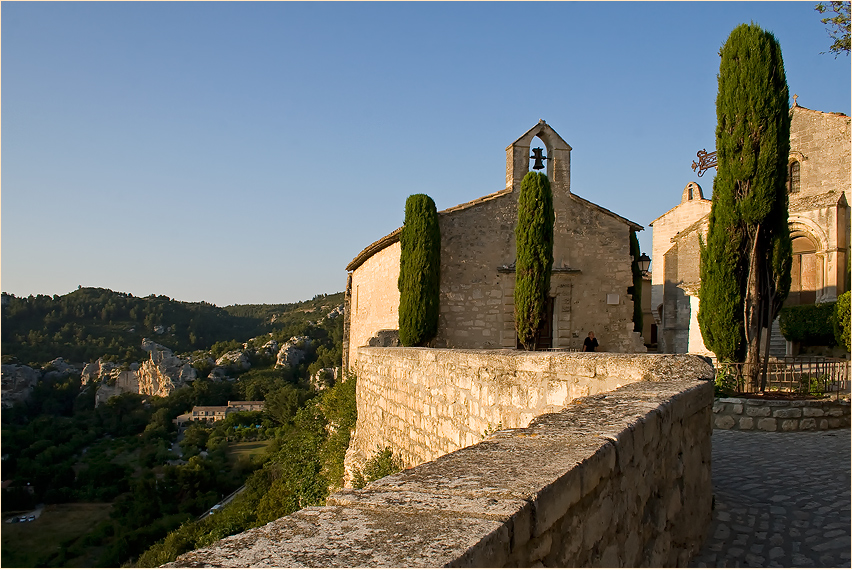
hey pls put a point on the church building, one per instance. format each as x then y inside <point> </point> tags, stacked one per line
<point>819,192</point>
<point>589,281</point>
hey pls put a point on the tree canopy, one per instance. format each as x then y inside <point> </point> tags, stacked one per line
<point>419,272</point>
<point>837,25</point>
<point>745,263</point>
<point>534,244</point>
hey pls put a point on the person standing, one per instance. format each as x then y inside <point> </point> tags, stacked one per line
<point>590,344</point>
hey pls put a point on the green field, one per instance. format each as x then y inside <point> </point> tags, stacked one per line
<point>32,544</point>
<point>247,449</point>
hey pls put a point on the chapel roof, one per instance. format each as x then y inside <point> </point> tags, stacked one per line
<point>799,107</point>
<point>393,237</point>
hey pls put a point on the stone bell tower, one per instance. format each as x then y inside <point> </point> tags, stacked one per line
<point>558,160</point>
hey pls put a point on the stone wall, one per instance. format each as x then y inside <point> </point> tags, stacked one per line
<point>743,414</point>
<point>691,208</point>
<point>374,298</point>
<point>821,143</point>
<point>424,403</point>
<point>620,479</point>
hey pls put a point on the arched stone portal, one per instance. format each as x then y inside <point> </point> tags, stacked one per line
<point>805,273</point>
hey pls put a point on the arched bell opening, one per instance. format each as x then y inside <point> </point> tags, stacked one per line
<point>539,157</point>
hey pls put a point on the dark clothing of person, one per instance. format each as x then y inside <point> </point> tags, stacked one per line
<point>590,344</point>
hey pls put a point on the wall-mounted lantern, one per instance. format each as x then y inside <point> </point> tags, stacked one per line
<point>644,263</point>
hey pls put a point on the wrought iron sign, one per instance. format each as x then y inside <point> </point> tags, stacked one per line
<point>706,160</point>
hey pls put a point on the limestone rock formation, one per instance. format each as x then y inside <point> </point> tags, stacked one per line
<point>270,348</point>
<point>219,374</point>
<point>293,351</point>
<point>324,378</point>
<point>337,311</point>
<point>96,371</point>
<point>163,372</point>
<point>59,369</point>
<point>236,359</point>
<point>118,381</point>
<point>17,382</point>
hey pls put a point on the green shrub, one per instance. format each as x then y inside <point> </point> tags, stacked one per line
<point>534,240</point>
<point>383,463</point>
<point>419,272</point>
<point>842,320</point>
<point>810,324</point>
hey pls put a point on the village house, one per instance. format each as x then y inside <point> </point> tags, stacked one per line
<point>213,413</point>
<point>589,280</point>
<point>819,192</point>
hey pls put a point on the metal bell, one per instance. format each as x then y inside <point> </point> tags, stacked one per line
<point>539,159</point>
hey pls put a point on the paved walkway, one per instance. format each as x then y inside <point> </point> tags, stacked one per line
<point>782,500</point>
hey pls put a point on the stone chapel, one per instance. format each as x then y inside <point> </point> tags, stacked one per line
<point>589,281</point>
<point>819,192</point>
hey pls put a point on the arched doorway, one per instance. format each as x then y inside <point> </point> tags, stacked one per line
<point>806,272</point>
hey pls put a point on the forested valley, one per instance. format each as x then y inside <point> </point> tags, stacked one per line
<point>117,483</point>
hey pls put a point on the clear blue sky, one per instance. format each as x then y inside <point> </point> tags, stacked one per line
<point>246,152</point>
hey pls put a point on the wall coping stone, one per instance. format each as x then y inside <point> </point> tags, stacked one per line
<point>797,414</point>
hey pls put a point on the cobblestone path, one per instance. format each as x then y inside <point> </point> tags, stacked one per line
<point>782,500</point>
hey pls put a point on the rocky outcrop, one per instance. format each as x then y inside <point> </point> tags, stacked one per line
<point>220,374</point>
<point>337,311</point>
<point>270,348</point>
<point>59,369</point>
<point>116,383</point>
<point>17,382</point>
<point>236,359</point>
<point>163,372</point>
<point>324,378</point>
<point>96,371</point>
<point>293,351</point>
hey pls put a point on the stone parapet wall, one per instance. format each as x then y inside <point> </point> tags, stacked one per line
<point>743,414</point>
<point>424,403</point>
<point>620,479</point>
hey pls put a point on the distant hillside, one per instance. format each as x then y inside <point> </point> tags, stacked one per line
<point>90,323</point>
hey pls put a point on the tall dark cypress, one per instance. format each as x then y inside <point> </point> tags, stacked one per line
<point>534,241</point>
<point>419,272</point>
<point>745,263</point>
<point>636,252</point>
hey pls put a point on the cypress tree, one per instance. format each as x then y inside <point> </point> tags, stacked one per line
<point>419,272</point>
<point>745,263</point>
<point>534,241</point>
<point>635,252</point>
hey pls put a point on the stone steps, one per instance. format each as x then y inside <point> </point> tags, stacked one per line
<point>777,343</point>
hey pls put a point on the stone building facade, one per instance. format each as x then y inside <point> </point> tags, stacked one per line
<point>819,192</point>
<point>589,281</point>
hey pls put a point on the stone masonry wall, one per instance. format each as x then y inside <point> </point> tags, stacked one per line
<point>620,479</point>
<point>424,403</point>
<point>821,141</point>
<point>743,414</point>
<point>374,298</point>
<point>665,227</point>
<point>591,261</point>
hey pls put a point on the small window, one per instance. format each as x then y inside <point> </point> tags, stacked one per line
<point>793,183</point>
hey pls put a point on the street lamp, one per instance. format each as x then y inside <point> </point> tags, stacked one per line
<point>644,263</point>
